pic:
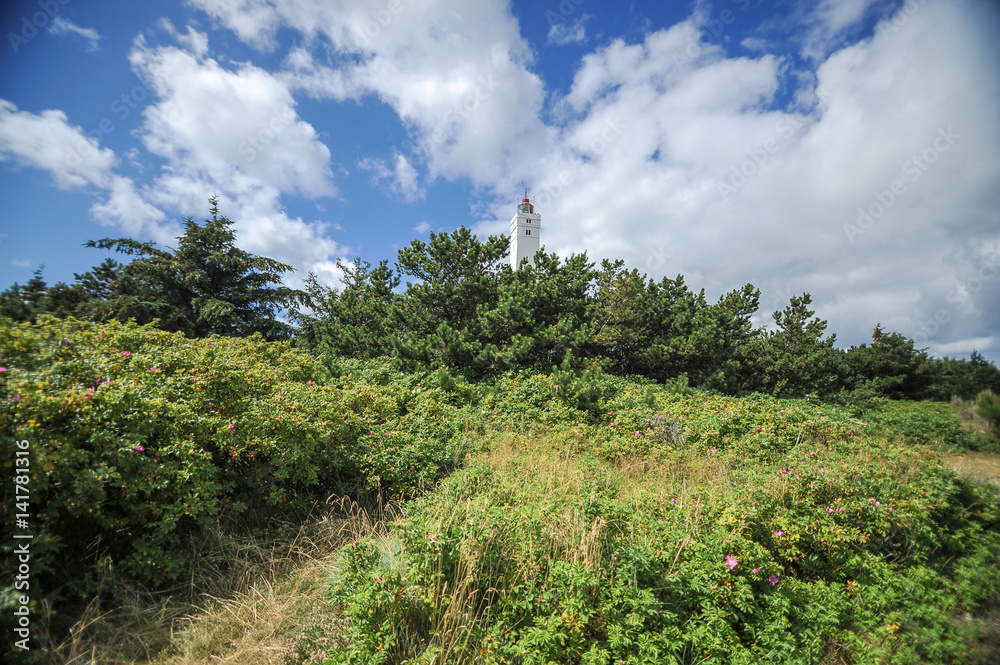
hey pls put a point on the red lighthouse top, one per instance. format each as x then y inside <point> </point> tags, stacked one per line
<point>526,204</point>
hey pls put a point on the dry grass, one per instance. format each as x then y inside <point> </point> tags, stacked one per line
<point>971,420</point>
<point>981,467</point>
<point>257,602</point>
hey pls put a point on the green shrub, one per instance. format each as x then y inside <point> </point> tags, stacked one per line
<point>988,406</point>
<point>139,438</point>
<point>546,554</point>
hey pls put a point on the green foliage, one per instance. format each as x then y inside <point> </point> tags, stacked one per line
<point>207,286</point>
<point>593,523</point>
<point>140,438</point>
<point>548,553</point>
<point>795,360</point>
<point>988,406</point>
<point>28,302</point>
<point>354,321</point>
<point>890,367</point>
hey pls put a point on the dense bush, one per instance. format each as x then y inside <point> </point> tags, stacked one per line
<point>139,438</point>
<point>988,406</point>
<point>840,548</point>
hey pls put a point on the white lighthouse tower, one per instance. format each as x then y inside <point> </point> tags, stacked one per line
<point>525,228</point>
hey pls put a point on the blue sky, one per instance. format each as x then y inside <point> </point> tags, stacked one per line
<point>848,148</point>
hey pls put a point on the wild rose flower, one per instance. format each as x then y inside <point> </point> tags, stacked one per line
<point>731,561</point>
<point>139,448</point>
<point>829,510</point>
<point>773,579</point>
<point>779,532</point>
<point>756,570</point>
<point>784,471</point>
<point>127,354</point>
<point>232,426</point>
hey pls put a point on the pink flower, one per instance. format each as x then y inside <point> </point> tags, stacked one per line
<point>139,448</point>
<point>773,579</point>
<point>784,471</point>
<point>673,501</point>
<point>756,570</point>
<point>3,369</point>
<point>731,561</point>
<point>779,532</point>
<point>829,510</point>
<point>713,450</point>
<point>232,426</point>
<point>15,398</point>
<point>812,452</point>
<point>782,411</point>
<point>127,354</point>
<point>822,470</point>
<point>412,468</point>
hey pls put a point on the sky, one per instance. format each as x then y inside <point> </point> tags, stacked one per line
<point>845,148</point>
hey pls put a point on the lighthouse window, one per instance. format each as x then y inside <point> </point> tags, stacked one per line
<point>527,232</point>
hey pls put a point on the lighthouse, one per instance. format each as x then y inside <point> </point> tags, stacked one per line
<point>525,228</point>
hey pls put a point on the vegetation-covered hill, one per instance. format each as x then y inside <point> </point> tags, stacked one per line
<point>571,517</point>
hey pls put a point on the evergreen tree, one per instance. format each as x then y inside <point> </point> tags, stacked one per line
<point>26,303</point>
<point>354,321</point>
<point>205,286</point>
<point>439,322</point>
<point>890,367</point>
<point>795,360</point>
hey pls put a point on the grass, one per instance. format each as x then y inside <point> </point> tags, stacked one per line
<point>980,467</point>
<point>568,541</point>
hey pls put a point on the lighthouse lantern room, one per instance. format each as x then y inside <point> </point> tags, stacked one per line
<point>525,228</point>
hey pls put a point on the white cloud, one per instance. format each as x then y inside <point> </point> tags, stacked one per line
<point>24,263</point>
<point>48,142</point>
<point>234,133</point>
<point>828,22</point>
<point>210,120</point>
<point>654,128</point>
<point>569,32</point>
<point>62,26</point>
<point>422,227</point>
<point>455,72</point>
<point>400,179</point>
